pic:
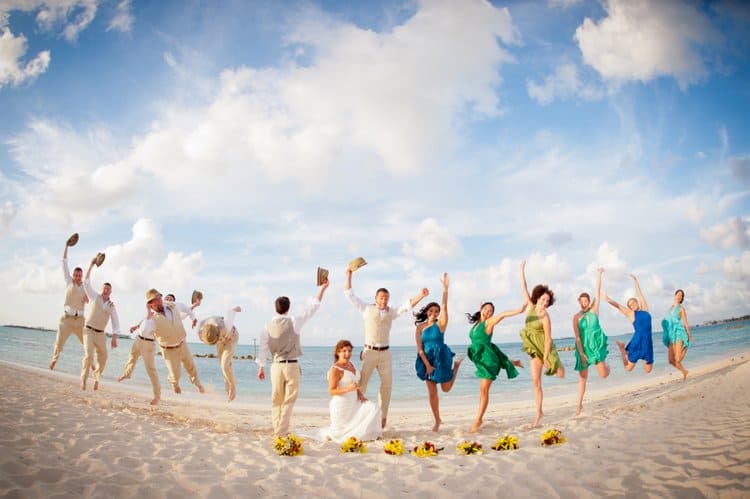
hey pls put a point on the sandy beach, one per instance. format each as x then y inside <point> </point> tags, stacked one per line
<point>659,438</point>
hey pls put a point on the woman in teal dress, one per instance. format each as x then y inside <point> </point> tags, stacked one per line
<point>486,356</point>
<point>537,339</point>
<point>435,363</point>
<point>591,342</point>
<point>677,336</point>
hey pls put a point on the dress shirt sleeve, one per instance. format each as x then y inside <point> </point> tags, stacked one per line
<point>229,319</point>
<point>263,351</point>
<point>184,310</point>
<point>405,307</point>
<point>93,295</point>
<point>148,326</point>
<point>355,300</point>
<point>66,272</point>
<point>299,320</point>
<point>115,320</point>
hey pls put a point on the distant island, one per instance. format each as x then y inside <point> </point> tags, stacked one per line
<point>725,321</point>
<point>37,328</point>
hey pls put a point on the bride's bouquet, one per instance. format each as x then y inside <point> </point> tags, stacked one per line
<point>553,437</point>
<point>394,447</point>
<point>290,445</point>
<point>352,444</point>
<point>467,448</point>
<point>507,442</point>
<point>426,449</point>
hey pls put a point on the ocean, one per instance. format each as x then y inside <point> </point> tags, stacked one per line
<point>33,347</point>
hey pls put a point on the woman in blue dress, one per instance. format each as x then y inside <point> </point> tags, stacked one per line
<point>676,333</point>
<point>641,345</point>
<point>435,363</point>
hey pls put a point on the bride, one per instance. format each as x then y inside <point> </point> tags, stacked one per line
<point>352,415</point>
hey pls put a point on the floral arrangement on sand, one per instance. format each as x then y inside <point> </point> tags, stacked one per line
<point>507,442</point>
<point>553,437</point>
<point>467,448</point>
<point>290,445</point>
<point>353,444</point>
<point>426,449</point>
<point>394,447</point>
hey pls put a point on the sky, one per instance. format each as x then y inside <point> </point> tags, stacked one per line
<point>235,146</point>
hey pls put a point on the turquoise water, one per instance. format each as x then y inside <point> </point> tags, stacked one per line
<point>34,348</point>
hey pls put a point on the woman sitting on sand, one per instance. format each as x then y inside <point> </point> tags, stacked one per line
<point>641,345</point>
<point>486,356</point>
<point>537,339</point>
<point>352,415</point>
<point>435,362</point>
<point>677,336</point>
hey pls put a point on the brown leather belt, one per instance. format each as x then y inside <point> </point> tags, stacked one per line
<point>286,361</point>
<point>94,329</point>
<point>170,348</point>
<point>150,339</point>
<point>378,349</point>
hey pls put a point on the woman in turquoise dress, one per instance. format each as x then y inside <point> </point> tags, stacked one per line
<point>435,363</point>
<point>641,345</point>
<point>591,342</point>
<point>486,356</point>
<point>537,339</point>
<point>676,333</point>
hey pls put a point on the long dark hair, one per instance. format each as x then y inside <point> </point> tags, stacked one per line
<point>474,318</point>
<point>421,316</point>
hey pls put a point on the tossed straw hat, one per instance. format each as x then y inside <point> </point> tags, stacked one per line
<point>209,334</point>
<point>357,263</point>
<point>151,294</point>
<point>196,296</point>
<point>322,276</point>
<point>99,259</point>
<point>72,240</point>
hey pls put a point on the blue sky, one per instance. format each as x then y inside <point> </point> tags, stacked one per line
<point>233,147</point>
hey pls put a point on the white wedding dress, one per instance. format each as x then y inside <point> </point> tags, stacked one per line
<point>349,416</point>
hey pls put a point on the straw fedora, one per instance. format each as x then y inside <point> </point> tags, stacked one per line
<point>196,297</point>
<point>357,263</point>
<point>322,275</point>
<point>151,294</point>
<point>72,240</point>
<point>209,334</point>
<point>99,259</point>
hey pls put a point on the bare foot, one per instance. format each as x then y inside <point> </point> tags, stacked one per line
<point>518,363</point>
<point>200,388</point>
<point>538,418</point>
<point>232,394</point>
<point>436,426</point>
<point>96,385</point>
<point>122,378</point>
<point>154,400</point>
<point>579,411</point>
<point>83,385</point>
<point>684,374</point>
<point>475,426</point>
<point>382,423</point>
<point>52,365</point>
<point>623,352</point>
<point>457,361</point>
<point>177,388</point>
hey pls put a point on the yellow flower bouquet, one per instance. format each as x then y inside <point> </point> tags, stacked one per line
<point>290,445</point>
<point>394,447</point>
<point>353,444</point>
<point>426,449</point>
<point>553,437</point>
<point>467,448</point>
<point>507,442</point>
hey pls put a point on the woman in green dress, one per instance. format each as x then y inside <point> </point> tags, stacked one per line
<point>591,342</point>
<point>486,356</point>
<point>537,338</point>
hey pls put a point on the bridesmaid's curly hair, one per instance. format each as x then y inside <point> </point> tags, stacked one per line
<point>341,344</point>
<point>539,290</point>
<point>421,316</point>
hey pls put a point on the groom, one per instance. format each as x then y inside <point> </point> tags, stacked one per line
<point>378,318</point>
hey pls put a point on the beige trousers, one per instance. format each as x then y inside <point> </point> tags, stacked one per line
<point>93,342</point>
<point>68,325</point>
<point>145,349</point>
<point>173,357</point>
<point>285,380</point>
<point>225,352</point>
<point>380,360</point>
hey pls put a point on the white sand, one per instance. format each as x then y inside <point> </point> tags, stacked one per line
<point>660,438</point>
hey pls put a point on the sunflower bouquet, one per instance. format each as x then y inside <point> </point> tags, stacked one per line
<point>507,442</point>
<point>467,448</point>
<point>426,449</point>
<point>290,445</point>
<point>352,444</point>
<point>553,437</point>
<point>394,447</point>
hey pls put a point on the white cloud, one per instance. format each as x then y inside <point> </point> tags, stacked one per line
<point>12,48</point>
<point>737,268</point>
<point>7,213</point>
<point>642,40</point>
<point>609,259</point>
<point>562,3</point>
<point>123,18</point>
<point>563,84</point>
<point>734,233</point>
<point>72,15</point>
<point>432,242</point>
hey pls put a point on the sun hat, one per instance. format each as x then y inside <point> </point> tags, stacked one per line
<point>209,333</point>
<point>99,259</point>
<point>322,276</point>
<point>151,294</point>
<point>72,240</point>
<point>196,296</point>
<point>357,263</point>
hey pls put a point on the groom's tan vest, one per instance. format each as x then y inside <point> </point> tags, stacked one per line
<point>75,296</point>
<point>377,327</point>
<point>99,313</point>
<point>283,342</point>
<point>168,332</point>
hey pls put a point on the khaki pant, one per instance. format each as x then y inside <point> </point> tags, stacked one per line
<point>380,360</point>
<point>145,349</point>
<point>68,325</point>
<point>173,357</point>
<point>285,379</point>
<point>225,352</point>
<point>93,341</point>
